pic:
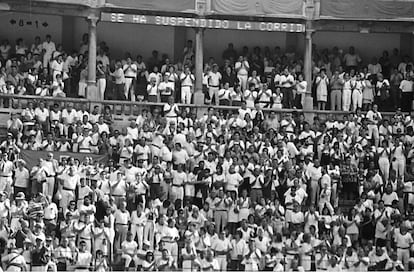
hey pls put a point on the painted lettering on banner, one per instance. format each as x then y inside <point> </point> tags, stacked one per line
<point>201,22</point>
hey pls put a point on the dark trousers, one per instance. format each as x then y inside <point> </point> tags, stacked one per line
<point>406,101</point>
<point>287,101</point>
<point>236,265</point>
<point>155,190</point>
<point>395,94</point>
<point>119,92</point>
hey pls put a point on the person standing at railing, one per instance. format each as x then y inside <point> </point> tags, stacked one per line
<point>166,89</point>
<point>242,68</point>
<point>322,84</point>
<point>130,71</point>
<point>119,76</point>
<point>48,48</point>
<point>101,80</point>
<point>214,80</point>
<point>152,90</point>
<point>187,82</point>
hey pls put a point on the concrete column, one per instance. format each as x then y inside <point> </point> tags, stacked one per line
<point>92,89</point>
<point>199,65</point>
<point>308,69</point>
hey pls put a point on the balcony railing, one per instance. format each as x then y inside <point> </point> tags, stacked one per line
<point>128,108</point>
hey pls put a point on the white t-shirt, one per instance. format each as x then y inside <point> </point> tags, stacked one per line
<point>214,79</point>
<point>21,178</point>
<point>187,80</point>
<point>42,115</point>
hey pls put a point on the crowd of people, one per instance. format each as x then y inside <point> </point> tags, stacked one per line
<point>271,77</point>
<point>245,190</point>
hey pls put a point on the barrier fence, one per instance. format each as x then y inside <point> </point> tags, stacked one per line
<point>128,108</point>
<point>286,260</point>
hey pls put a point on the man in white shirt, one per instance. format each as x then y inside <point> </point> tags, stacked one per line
<point>404,242</point>
<point>373,117</point>
<point>130,72</point>
<point>165,88</point>
<point>221,248</point>
<point>187,82</point>
<point>286,82</point>
<point>406,87</point>
<point>42,116</point>
<point>119,76</point>
<point>6,172</point>
<point>69,183</point>
<point>69,118</point>
<point>314,173</point>
<point>48,49</point>
<point>351,60</point>
<point>242,68</point>
<point>214,79</point>
<point>122,220</point>
<point>21,178</point>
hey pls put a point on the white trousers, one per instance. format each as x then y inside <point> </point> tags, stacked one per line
<point>356,99</point>
<point>48,186</point>
<point>213,91</point>
<point>137,231</point>
<point>243,81</point>
<point>186,94</point>
<point>101,88</point>
<point>67,196</point>
<point>346,99</point>
<point>127,88</point>
<point>128,259</point>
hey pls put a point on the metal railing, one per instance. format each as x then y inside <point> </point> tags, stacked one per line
<point>118,264</point>
<point>129,108</point>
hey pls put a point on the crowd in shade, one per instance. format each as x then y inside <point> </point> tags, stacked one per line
<point>341,79</point>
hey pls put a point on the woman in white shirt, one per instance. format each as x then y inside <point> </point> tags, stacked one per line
<point>301,86</point>
<point>322,83</point>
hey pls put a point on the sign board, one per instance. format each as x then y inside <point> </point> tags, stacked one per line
<point>202,23</point>
<point>89,3</point>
